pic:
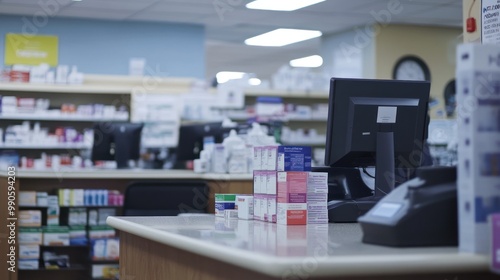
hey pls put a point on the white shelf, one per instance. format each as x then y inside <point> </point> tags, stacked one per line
<point>55,88</point>
<point>285,93</point>
<point>306,120</point>
<point>59,146</point>
<point>60,117</point>
<point>107,84</point>
<point>240,117</point>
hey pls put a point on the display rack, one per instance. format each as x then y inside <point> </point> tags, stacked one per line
<point>116,91</point>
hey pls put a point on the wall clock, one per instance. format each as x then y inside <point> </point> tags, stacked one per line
<point>411,68</point>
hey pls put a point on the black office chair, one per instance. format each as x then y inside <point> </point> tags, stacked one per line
<point>165,198</point>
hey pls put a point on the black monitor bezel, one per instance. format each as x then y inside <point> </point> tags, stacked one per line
<point>338,116</point>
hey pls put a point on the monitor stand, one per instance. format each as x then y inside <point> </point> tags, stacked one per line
<point>350,208</point>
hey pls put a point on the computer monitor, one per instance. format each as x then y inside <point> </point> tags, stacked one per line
<point>192,137</point>
<point>377,123</point>
<point>117,141</point>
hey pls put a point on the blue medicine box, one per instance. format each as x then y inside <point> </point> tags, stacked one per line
<point>294,158</point>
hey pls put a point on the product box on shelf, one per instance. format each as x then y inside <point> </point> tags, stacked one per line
<point>105,249</point>
<point>77,216</point>
<point>105,271</point>
<point>478,118</point>
<point>28,264</point>
<point>56,235</point>
<point>42,199</point>
<point>30,236</point>
<point>27,198</point>
<point>30,218</point>
<point>53,261</point>
<point>53,210</point>
<point>77,235</point>
<point>29,251</point>
<point>97,232</point>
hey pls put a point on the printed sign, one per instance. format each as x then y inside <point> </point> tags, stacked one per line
<point>490,21</point>
<point>31,50</point>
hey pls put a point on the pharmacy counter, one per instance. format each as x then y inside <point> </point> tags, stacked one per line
<point>206,247</point>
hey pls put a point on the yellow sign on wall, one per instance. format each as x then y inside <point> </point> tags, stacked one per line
<point>31,50</point>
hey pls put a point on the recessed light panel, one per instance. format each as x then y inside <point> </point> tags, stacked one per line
<point>282,37</point>
<point>281,5</point>
<point>308,61</point>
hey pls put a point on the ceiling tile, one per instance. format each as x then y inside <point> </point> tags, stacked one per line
<point>129,5</point>
<point>163,17</point>
<point>94,13</point>
<point>188,8</point>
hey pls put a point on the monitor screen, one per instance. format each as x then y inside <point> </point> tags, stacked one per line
<point>366,116</point>
<point>117,141</point>
<point>192,137</point>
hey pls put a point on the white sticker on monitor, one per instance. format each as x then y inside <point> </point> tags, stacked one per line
<point>386,210</point>
<point>387,114</point>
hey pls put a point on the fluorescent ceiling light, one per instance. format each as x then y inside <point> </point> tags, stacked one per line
<point>281,37</point>
<point>281,5</point>
<point>308,61</point>
<point>225,76</point>
<point>254,81</point>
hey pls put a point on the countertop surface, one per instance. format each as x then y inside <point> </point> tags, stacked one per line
<point>284,251</point>
<point>71,173</point>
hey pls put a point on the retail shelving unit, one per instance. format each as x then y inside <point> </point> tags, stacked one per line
<point>107,90</point>
<point>80,263</point>
<point>295,122</point>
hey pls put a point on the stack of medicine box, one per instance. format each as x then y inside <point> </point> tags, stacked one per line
<point>478,117</point>
<point>30,239</point>
<point>282,182</point>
